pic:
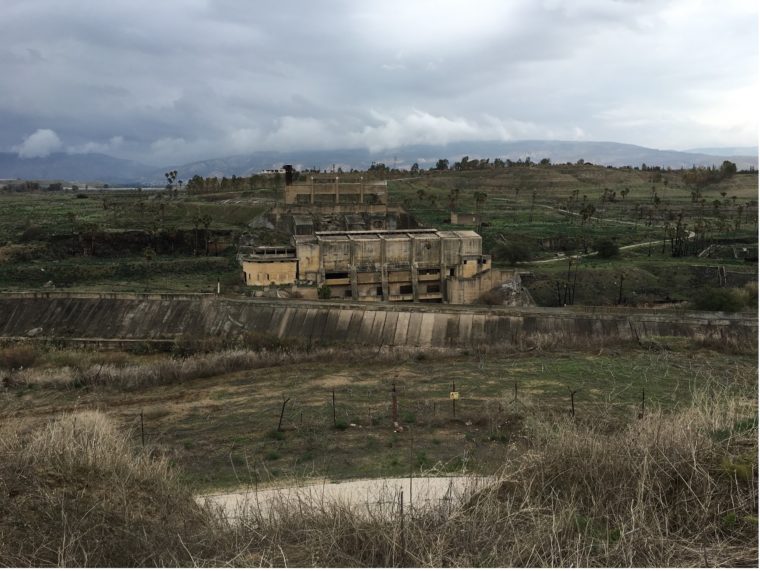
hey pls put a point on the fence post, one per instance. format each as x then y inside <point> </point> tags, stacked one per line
<point>411,467</point>
<point>394,405</point>
<point>282,412</point>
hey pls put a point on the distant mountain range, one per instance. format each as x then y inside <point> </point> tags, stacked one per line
<point>98,167</point>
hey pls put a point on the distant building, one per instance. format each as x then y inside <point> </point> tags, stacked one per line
<point>465,218</point>
<point>424,265</point>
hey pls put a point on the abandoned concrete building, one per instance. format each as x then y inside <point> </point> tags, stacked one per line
<point>423,265</point>
<point>319,205</point>
<point>348,242</point>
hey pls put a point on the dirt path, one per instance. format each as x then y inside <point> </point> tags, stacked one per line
<point>373,496</point>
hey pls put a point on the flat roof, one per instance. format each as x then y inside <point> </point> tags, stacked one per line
<point>425,233</point>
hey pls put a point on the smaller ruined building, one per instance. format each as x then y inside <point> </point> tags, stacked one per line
<point>423,265</point>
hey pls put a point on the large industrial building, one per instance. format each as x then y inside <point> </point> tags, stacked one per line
<point>424,265</point>
<point>347,241</point>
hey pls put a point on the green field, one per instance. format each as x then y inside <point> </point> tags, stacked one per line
<point>222,431</point>
<point>115,240</point>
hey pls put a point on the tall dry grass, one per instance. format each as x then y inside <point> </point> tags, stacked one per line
<point>668,490</point>
<point>171,370</point>
<point>75,495</point>
<point>671,489</point>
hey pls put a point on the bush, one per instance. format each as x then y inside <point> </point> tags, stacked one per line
<point>75,495</point>
<point>17,357</point>
<point>718,299</point>
<point>491,297</point>
<point>606,248</point>
<point>324,292</point>
<point>511,252</point>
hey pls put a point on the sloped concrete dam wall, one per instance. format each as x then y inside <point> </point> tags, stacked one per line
<point>165,317</point>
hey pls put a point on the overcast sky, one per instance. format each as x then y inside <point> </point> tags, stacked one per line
<point>174,81</point>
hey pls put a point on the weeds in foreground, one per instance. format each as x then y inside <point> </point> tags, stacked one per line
<point>670,489</point>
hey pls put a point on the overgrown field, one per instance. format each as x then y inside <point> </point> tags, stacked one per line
<point>147,241</point>
<point>121,241</point>
<point>675,489</point>
<point>217,415</point>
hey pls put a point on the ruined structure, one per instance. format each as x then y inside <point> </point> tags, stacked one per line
<point>319,204</point>
<point>423,265</point>
<point>348,242</point>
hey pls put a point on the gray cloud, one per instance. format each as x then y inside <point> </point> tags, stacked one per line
<point>168,82</point>
<point>39,144</point>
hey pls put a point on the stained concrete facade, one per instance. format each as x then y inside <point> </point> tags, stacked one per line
<point>423,265</point>
<point>335,192</point>
<point>270,265</point>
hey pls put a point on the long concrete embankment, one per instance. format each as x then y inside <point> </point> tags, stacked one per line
<point>157,317</point>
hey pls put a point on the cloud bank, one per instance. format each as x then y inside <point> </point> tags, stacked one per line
<point>169,82</point>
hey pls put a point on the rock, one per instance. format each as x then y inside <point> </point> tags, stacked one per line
<point>34,332</point>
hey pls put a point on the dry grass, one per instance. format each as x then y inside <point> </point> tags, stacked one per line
<point>669,490</point>
<point>74,495</point>
<point>674,489</point>
<point>171,370</point>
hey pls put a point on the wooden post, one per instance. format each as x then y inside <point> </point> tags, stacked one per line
<point>403,535</point>
<point>572,403</point>
<point>282,413</point>
<point>620,292</point>
<point>335,421</point>
<point>411,467</point>
<point>394,405</point>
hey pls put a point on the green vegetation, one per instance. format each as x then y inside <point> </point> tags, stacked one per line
<point>533,212</point>
<point>121,240</point>
<point>217,412</point>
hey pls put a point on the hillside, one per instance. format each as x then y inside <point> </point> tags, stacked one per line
<point>99,167</point>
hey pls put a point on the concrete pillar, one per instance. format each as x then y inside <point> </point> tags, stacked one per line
<point>354,283</point>
<point>384,269</point>
<point>413,267</point>
<point>352,269</point>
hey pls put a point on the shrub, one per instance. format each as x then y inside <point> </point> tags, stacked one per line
<point>77,496</point>
<point>606,248</point>
<point>32,233</point>
<point>17,357</point>
<point>511,252</point>
<point>324,292</point>
<point>718,299</point>
<point>491,297</point>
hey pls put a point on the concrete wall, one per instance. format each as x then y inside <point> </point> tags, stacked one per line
<point>130,317</point>
<point>263,273</point>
